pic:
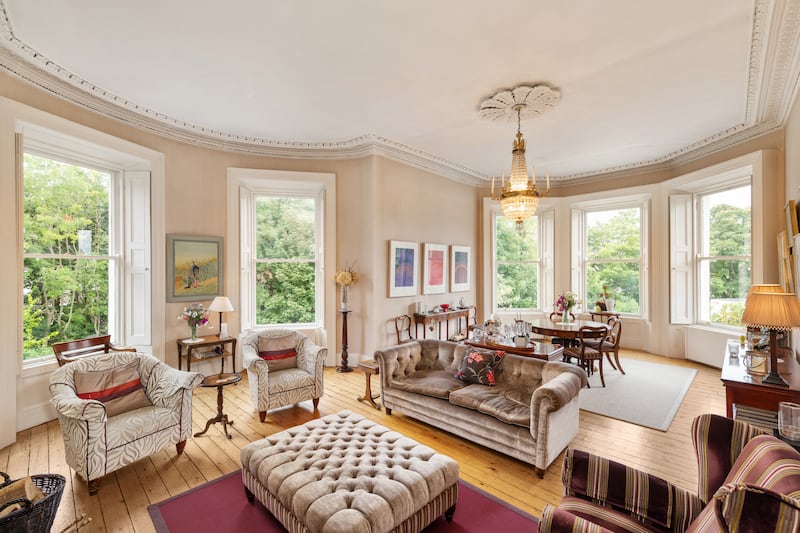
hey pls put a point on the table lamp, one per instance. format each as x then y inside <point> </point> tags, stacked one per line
<point>222,305</point>
<point>774,311</point>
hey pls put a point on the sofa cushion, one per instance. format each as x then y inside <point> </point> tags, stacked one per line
<point>479,366</point>
<point>280,353</point>
<point>511,405</point>
<point>436,383</point>
<point>769,463</point>
<point>119,389</point>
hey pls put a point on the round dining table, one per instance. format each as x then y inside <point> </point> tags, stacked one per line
<point>570,330</point>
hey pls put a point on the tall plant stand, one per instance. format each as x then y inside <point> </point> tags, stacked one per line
<point>343,367</point>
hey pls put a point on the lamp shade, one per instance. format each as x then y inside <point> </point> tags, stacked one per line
<point>772,310</point>
<point>221,304</point>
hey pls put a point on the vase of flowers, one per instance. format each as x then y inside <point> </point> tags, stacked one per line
<point>195,316</point>
<point>608,299</point>
<point>345,278</point>
<point>564,305</point>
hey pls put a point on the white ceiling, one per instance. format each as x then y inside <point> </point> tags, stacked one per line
<point>640,82</point>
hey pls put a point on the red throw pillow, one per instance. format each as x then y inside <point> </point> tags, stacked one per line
<point>119,389</point>
<point>280,353</point>
<point>478,366</point>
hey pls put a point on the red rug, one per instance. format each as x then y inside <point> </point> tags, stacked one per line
<point>221,506</point>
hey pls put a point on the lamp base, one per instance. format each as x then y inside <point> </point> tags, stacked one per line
<point>775,379</point>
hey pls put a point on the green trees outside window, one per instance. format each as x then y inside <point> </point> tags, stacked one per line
<point>67,265</point>
<point>613,251</point>
<point>286,260</point>
<point>517,261</point>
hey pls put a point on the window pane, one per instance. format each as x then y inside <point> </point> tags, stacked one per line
<point>613,234</point>
<point>728,283</point>
<point>64,299</point>
<point>66,208</point>
<point>725,223</point>
<point>514,247</point>
<point>285,228</point>
<point>516,286</point>
<point>285,293</point>
<point>621,280</point>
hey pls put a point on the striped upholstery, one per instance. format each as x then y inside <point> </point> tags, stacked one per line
<point>748,481</point>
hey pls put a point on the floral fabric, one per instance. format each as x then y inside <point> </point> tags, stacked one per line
<point>479,367</point>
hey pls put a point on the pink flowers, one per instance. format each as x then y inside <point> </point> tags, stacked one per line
<point>194,315</point>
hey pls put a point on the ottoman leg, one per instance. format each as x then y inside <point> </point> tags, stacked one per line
<point>448,514</point>
<point>250,496</point>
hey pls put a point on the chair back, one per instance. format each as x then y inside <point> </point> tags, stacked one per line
<point>597,333</point>
<point>402,328</point>
<point>556,316</point>
<point>615,333</point>
<point>69,351</point>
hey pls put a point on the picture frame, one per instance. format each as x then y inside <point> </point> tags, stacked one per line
<point>194,267</point>
<point>403,268</point>
<point>460,268</point>
<point>434,272</point>
<point>791,219</point>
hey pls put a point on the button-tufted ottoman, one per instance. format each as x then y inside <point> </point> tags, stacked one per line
<point>346,473</point>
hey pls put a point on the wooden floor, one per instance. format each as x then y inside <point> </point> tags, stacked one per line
<point>121,504</point>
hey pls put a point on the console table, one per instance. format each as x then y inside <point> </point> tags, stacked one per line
<point>426,319</point>
<point>745,388</point>
<point>211,347</point>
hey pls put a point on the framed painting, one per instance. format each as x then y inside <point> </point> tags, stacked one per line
<point>460,268</point>
<point>194,268</point>
<point>403,268</point>
<point>434,272</point>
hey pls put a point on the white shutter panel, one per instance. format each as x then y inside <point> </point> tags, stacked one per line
<point>546,249</point>
<point>246,238</point>
<point>681,229</point>
<point>578,260</point>
<point>138,274</point>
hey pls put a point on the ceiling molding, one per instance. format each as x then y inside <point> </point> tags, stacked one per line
<point>773,80</point>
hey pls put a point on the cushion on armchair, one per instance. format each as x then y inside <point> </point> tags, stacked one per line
<point>119,389</point>
<point>280,353</point>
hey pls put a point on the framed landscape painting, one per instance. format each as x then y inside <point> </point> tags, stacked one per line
<point>403,268</point>
<point>460,268</point>
<point>194,267</point>
<point>434,272</point>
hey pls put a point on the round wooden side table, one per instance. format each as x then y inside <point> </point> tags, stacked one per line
<point>219,381</point>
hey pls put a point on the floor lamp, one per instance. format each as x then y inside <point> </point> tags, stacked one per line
<point>221,304</point>
<point>774,311</point>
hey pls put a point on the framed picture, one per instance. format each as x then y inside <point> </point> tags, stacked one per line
<point>434,272</point>
<point>403,268</point>
<point>460,268</point>
<point>791,219</point>
<point>194,267</point>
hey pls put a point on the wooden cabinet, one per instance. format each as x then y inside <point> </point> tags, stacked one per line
<point>745,388</point>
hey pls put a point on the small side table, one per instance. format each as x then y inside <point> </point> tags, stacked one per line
<point>219,381</point>
<point>370,368</point>
<point>212,347</point>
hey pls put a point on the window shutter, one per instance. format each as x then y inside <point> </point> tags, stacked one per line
<point>546,247</point>
<point>680,252</point>
<point>246,277</point>
<point>138,274</point>
<point>578,263</point>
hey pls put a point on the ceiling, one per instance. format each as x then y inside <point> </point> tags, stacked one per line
<point>641,83</point>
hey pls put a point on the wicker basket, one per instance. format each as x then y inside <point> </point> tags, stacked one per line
<point>35,517</point>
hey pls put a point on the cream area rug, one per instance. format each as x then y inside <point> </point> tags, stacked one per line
<point>648,394</point>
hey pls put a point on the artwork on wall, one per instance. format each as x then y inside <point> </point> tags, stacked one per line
<point>194,267</point>
<point>403,268</point>
<point>791,220</point>
<point>460,268</point>
<point>434,272</point>
<point>786,265</point>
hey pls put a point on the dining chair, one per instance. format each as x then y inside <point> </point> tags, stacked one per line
<point>585,353</point>
<point>611,343</point>
<point>402,328</point>
<point>69,351</point>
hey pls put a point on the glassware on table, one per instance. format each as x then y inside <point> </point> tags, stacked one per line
<point>789,421</point>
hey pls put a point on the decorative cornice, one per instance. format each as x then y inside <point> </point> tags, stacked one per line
<point>774,57</point>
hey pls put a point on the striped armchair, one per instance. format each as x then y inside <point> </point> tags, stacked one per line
<point>748,481</point>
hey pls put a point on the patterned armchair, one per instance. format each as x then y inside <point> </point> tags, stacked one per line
<point>117,408</point>
<point>747,481</point>
<point>284,367</point>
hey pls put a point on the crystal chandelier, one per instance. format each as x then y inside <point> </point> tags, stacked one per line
<point>519,198</point>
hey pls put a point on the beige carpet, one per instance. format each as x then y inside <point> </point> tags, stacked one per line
<point>649,394</point>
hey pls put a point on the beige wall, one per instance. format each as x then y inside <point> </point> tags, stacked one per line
<point>792,152</point>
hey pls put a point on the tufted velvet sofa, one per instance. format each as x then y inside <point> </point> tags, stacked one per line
<point>531,413</point>
<point>747,481</point>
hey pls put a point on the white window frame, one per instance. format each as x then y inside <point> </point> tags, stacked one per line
<point>545,282</point>
<point>130,247</point>
<point>580,246</point>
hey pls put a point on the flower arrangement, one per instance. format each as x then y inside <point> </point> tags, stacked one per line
<point>566,301</point>
<point>194,315</point>
<point>346,277</point>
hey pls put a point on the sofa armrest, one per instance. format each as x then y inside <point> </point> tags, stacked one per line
<point>313,355</point>
<point>397,361</point>
<point>553,394</point>
<point>67,404</point>
<point>646,497</point>
<point>165,382</point>
<point>555,519</point>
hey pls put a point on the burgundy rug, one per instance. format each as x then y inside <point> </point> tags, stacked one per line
<point>222,507</point>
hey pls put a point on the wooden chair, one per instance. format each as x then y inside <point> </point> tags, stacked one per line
<point>586,354</point>
<point>402,328</point>
<point>611,343</point>
<point>69,351</point>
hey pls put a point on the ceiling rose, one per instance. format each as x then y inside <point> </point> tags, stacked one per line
<point>523,101</point>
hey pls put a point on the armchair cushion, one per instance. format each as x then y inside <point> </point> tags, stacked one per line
<point>119,389</point>
<point>280,353</point>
